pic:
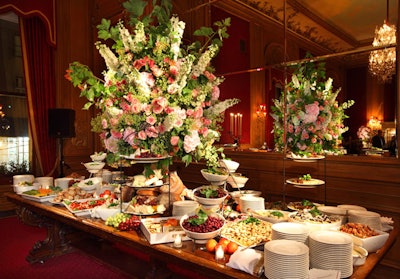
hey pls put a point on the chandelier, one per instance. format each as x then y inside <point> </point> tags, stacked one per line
<point>382,62</point>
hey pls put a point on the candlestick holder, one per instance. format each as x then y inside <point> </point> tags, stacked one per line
<point>236,140</point>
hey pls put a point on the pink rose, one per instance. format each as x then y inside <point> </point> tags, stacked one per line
<point>198,113</point>
<point>215,93</point>
<point>304,135</point>
<point>203,131</point>
<point>116,134</point>
<point>142,135</point>
<point>174,140</point>
<point>151,119</point>
<point>206,121</point>
<point>178,122</point>
<point>104,123</point>
<point>189,112</point>
<point>159,104</point>
<point>151,132</point>
<point>209,75</point>
<point>173,70</point>
<point>169,110</point>
<point>312,111</point>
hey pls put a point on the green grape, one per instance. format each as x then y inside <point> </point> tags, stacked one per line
<point>118,218</point>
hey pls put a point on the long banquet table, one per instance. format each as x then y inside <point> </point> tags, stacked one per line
<point>62,227</point>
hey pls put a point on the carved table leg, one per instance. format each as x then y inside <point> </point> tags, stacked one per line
<point>56,242</point>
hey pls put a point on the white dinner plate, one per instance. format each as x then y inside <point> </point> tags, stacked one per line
<point>312,183</point>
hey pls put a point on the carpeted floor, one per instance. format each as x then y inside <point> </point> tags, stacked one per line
<point>17,240</point>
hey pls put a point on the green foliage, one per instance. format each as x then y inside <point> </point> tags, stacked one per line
<point>13,168</point>
<point>201,218</point>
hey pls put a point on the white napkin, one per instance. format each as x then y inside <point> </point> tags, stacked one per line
<point>247,260</point>
<point>323,274</point>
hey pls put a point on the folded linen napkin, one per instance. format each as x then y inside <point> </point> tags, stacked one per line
<point>248,260</point>
<point>324,274</point>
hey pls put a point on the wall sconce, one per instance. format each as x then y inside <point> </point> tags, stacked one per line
<point>261,111</point>
<point>374,123</point>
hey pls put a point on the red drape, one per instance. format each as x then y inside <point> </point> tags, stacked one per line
<point>45,9</point>
<point>38,59</point>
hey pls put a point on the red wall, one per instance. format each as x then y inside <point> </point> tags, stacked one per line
<point>356,88</point>
<point>233,57</point>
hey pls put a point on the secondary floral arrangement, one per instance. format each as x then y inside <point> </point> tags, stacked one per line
<point>314,118</point>
<point>364,133</point>
<point>157,94</point>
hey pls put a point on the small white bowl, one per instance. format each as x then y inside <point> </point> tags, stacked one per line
<point>237,181</point>
<point>94,167</point>
<point>202,237</point>
<point>98,157</point>
<point>90,184</point>
<point>230,165</point>
<point>214,179</point>
<point>208,201</point>
<point>359,255</point>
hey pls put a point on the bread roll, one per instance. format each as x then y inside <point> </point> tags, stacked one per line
<point>148,192</point>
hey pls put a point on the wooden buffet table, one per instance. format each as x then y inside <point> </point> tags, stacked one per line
<point>63,227</point>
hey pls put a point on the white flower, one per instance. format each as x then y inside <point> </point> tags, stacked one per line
<point>126,37</point>
<point>328,85</point>
<point>139,39</point>
<point>108,56</point>
<point>113,111</point>
<point>220,107</point>
<point>191,142</point>
<point>176,36</point>
<point>204,60</point>
<point>295,81</point>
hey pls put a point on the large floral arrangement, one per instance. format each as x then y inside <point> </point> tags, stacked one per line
<point>314,118</point>
<point>157,94</point>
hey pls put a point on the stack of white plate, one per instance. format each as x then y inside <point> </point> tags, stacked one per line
<point>331,250</point>
<point>290,231</point>
<point>181,208</point>
<point>286,259</point>
<point>370,218</point>
<point>252,203</point>
<point>351,207</point>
